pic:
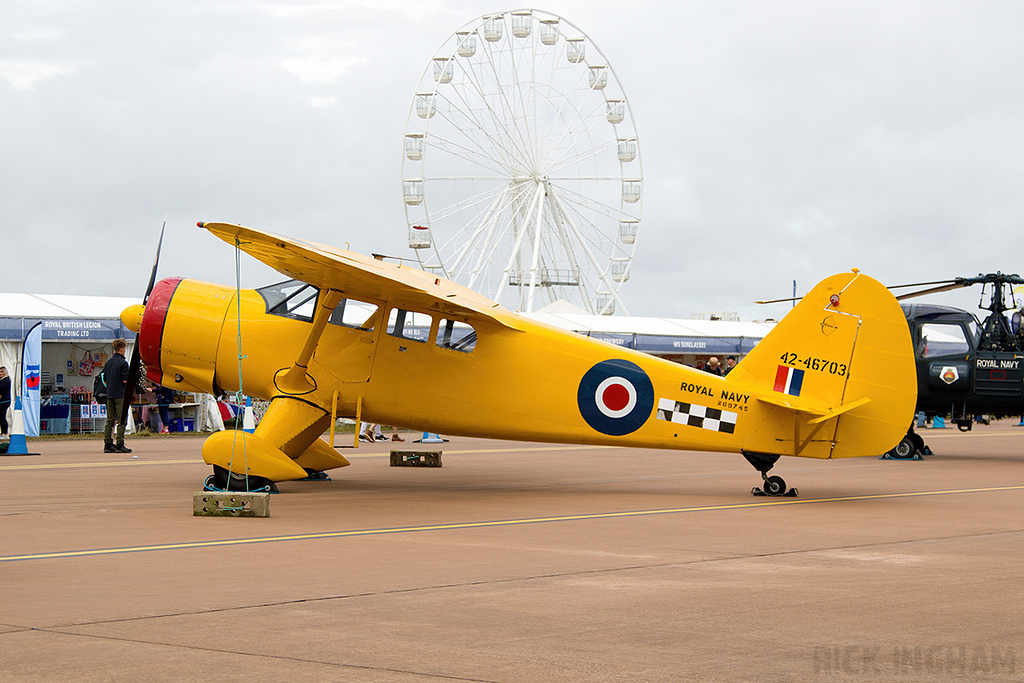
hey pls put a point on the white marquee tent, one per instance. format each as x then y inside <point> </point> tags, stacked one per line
<point>77,335</point>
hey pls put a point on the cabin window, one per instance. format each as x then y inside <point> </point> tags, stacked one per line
<point>409,325</point>
<point>357,315</point>
<point>291,299</point>
<point>942,340</point>
<point>455,335</point>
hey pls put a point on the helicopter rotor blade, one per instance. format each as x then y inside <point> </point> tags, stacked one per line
<point>935,287</point>
<point>932,290</point>
<point>779,301</point>
<point>926,284</point>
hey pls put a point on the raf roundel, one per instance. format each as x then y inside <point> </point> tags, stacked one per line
<point>615,397</point>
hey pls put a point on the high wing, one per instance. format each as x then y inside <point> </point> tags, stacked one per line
<point>360,277</point>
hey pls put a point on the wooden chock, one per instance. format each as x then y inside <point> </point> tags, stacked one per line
<point>415,458</point>
<point>230,504</point>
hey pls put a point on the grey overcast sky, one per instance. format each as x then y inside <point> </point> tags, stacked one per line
<point>781,140</point>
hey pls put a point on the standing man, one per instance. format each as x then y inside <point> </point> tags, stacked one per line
<point>115,372</point>
<point>730,363</point>
<point>5,401</point>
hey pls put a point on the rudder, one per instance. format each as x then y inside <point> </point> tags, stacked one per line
<point>842,360</point>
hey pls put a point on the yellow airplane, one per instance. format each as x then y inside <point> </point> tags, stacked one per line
<point>834,379</point>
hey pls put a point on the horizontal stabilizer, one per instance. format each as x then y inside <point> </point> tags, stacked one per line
<point>820,414</point>
<point>836,412</point>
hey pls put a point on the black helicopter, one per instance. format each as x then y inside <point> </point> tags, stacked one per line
<point>965,368</point>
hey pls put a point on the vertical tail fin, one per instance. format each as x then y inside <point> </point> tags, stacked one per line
<point>840,368</point>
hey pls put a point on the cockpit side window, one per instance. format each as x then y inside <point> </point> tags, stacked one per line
<point>974,329</point>
<point>290,299</point>
<point>455,335</point>
<point>357,315</point>
<point>942,340</point>
<point>409,325</point>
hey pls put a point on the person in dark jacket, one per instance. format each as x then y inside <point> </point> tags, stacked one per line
<point>115,372</point>
<point>5,401</point>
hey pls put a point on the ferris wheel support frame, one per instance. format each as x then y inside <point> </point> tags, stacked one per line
<point>590,255</point>
<point>542,190</point>
<point>574,264</point>
<point>484,253</point>
<point>488,222</point>
<point>519,243</point>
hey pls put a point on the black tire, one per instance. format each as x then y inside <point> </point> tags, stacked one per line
<point>904,450</point>
<point>237,482</point>
<point>775,486</point>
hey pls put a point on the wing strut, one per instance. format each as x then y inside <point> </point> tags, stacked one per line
<point>294,380</point>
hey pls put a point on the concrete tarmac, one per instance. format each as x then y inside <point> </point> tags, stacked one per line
<point>518,562</point>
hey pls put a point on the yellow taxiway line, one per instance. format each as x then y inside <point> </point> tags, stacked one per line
<point>490,523</point>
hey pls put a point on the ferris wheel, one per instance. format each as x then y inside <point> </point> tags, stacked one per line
<point>521,169</point>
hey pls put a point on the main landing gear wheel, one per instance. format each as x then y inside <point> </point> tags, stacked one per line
<point>774,486</point>
<point>224,480</point>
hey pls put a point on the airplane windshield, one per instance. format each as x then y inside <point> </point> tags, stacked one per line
<point>290,299</point>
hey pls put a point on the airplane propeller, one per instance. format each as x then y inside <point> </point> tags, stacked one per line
<point>135,365</point>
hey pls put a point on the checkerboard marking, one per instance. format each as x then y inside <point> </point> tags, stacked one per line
<point>696,416</point>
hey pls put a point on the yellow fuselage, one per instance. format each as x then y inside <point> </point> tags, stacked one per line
<point>521,383</point>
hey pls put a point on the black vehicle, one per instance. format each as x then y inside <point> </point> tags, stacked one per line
<point>965,368</point>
